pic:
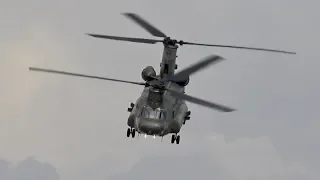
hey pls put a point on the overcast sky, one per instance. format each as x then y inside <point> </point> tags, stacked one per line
<point>75,128</point>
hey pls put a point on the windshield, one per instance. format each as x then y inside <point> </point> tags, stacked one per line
<point>148,112</point>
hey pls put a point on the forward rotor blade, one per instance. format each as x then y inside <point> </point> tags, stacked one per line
<point>201,102</point>
<point>144,24</point>
<point>240,47</point>
<point>185,73</point>
<point>82,75</point>
<point>130,39</point>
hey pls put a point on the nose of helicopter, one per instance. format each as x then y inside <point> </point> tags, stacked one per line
<point>151,126</point>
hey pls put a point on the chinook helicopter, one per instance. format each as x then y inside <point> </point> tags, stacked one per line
<point>161,109</point>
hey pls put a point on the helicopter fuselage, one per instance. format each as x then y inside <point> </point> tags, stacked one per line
<point>157,112</point>
<point>161,109</point>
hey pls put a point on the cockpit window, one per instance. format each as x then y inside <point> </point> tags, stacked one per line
<point>148,112</point>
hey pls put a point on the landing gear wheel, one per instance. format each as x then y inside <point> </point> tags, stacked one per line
<point>128,132</point>
<point>133,133</point>
<point>177,139</point>
<point>173,138</point>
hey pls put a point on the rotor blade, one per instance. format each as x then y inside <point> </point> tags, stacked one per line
<point>144,24</point>
<point>185,73</point>
<point>130,39</point>
<point>239,47</point>
<point>201,102</point>
<point>82,75</point>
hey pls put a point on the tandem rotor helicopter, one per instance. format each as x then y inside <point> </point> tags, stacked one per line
<point>161,109</point>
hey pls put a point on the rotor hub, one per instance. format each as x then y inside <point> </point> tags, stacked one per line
<point>172,42</point>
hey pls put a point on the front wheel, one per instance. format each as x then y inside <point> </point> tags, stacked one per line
<point>128,132</point>
<point>178,139</point>
<point>133,133</point>
<point>173,138</point>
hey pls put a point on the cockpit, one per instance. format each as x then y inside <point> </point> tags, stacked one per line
<point>157,113</point>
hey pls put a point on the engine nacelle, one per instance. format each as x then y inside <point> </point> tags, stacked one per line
<point>147,73</point>
<point>183,82</point>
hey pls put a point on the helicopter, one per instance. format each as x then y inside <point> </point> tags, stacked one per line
<point>161,108</point>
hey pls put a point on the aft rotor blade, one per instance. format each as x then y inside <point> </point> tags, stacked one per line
<point>201,102</point>
<point>144,24</point>
<point>239,47</point>
<point>82,75</point>
<point>185,73</point>
<point>130,39</point>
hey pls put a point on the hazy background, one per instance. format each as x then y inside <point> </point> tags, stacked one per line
<point>78,126</point>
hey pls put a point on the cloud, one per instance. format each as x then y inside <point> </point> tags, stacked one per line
<point>28,169</point>
<point>214,158</point>
<point>80,124</point>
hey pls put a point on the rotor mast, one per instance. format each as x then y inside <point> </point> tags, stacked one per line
<point>169,56</point>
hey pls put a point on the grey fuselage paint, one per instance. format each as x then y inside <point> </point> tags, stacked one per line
<point>174,110</point>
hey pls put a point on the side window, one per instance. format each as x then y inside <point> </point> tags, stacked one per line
<point>162,115</point>
<point>141,111</point>
<point>145,112</point>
